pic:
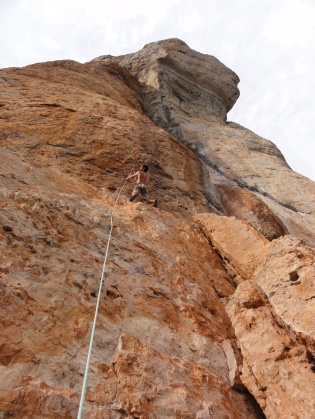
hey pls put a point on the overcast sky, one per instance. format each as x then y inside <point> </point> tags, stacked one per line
<point>270,44</point>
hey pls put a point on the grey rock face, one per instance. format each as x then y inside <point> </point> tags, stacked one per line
<point>179,83</point>
<point>189,94</point>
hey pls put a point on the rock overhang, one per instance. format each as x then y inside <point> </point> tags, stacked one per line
<point>199,80</point>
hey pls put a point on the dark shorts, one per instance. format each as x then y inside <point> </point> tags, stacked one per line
<point>141,189</point>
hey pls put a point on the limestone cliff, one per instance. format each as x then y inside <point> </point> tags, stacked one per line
<point>189,95</point>
<point>208,301</point>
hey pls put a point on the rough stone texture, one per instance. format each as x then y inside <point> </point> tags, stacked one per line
<point>299,224</point>
<point>189,94</point>
<point>206,298</point>
<point>277,367</point>
<point>238,243</point>
<point>179,83</point>
<point>25,397</point>
<point>246,206</point>
<point>92,126</point>
<point>165,294</point>
<point>272,312</point>
<point>164,281</point>
<point>146,380</point>
<point>287,277</point>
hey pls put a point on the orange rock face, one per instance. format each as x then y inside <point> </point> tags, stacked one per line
<point>193,312</point>
<point>272,312</point>
<point>189,94</point>
<point>246,206</point>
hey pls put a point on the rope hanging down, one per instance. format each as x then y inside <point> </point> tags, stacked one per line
<point>111,215</point>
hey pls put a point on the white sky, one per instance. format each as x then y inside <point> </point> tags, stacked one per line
<point>270,44</point>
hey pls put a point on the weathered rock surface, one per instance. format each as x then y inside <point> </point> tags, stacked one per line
<point>81,129</point>
<point>189,95</point>
<point>163,294</point>
<point>179,83</point>
<point>238,243</point>
<point>272,312</point>
<point>277,367</point>
<point>287,277</point>
<point>247,206</point>
<point>207,298</point>
<point>163,278</point>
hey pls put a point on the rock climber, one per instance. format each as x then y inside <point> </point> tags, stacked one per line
<point>142,179</point>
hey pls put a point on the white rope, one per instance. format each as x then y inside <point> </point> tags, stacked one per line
<point>111,216</point>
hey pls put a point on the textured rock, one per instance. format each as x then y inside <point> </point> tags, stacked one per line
<point>287,277</point>
<point>179,83</point>
<point>49,281</point>
<point>272,312</point>
<point>183,94</point>
<point>277,368</point>
<point>150,381</point>
<point>80,128</point>
<point>197,308</point>
<point>164,282</point>
<point>246,206</point>
<point>24,397</point>
<point>238,243</point>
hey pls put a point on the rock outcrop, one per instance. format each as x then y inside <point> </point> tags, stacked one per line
<point>189,95</point>
<point>272,312</point>
<point>207,305</point>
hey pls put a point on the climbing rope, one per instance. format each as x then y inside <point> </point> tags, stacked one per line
<point>111,216</point>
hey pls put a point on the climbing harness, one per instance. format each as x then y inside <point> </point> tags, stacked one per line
<point>111,216</point>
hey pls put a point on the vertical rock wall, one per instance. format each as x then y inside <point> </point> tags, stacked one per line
<point>189,94</point>
<point>207,300</point>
